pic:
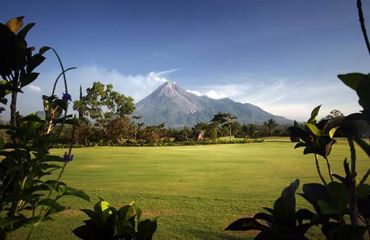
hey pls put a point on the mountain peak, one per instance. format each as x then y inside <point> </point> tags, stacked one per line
<point>168,84</point>
<point>176,107</point>
<point>168,98</point>
<point>169,89</point>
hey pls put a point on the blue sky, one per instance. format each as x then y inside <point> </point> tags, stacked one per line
<point>280,55</point>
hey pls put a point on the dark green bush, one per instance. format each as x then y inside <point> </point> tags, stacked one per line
<point>109,223</point>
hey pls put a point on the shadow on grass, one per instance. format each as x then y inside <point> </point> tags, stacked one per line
<point>220,235</point>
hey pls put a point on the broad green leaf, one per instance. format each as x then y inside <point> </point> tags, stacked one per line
<point>270,210</point>
<point>94,217</point>
<point>355,126</point>
<point>52,204</point>
<point>363,92</point>
<point>314,192</point>
<point>28,78</point>
<point>245,224</point>
<point>364,145</point>
<point>352,80</point>
<point>126,212</point>
<point>264,216</point>
<point>101,206</point>
<point>328,146</point>
<point>34,62</point>
<point>20,53</point>
<point>300,144</point>
<point>338,193</point>
<point>102,209</point>
<point>23,32</point>
<point>284,206</point>
<point>328,209</point>
<point>297,133</point>
<point>314,129</point>
<point>336,205</point>
<point>146,229</point>
<point>84,232</point>
<point>314,114</point>
<point>15,24</point>
<point>55,185</point>
<point>44,49</point>
<point>332,132</point>
<point>69,191</point>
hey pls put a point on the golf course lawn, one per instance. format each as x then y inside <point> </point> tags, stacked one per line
<point>195,191</point>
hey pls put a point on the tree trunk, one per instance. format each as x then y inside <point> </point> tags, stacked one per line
<point>230,133</point>
<point>13,109</point>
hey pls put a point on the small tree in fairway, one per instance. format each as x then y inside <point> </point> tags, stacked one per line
<point>270,125</point>
<point>224,119</point>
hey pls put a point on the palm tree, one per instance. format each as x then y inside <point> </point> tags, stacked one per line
<point>271,125</point>
<point>224,118</point>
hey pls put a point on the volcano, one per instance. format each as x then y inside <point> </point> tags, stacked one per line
<point>176,107</point>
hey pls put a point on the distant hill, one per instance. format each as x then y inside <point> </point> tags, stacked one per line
<point>176,107</point>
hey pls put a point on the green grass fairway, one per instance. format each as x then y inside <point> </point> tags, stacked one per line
<point>196,191</point>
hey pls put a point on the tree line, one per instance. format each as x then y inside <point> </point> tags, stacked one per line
<point>105,118</point>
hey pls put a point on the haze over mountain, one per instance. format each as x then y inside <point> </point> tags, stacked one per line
<point>176,107</point>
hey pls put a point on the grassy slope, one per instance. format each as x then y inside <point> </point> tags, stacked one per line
<point>195,190</point>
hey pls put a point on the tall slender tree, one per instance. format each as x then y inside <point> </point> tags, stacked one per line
<point>270,125</point>
<point>80,106</point>
<point>223,118</point>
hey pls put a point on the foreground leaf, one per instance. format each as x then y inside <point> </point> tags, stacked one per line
<point>245,224</point>
<point>314,114</point>
<point>284,206</point>
<point>352,80</point>
<point>23,32</point>
<point>15,24</point>
<point>280,233</point>
<point>146,229</point>
<point>69,191</point>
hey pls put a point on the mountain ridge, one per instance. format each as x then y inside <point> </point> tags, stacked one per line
<point>176,107</point>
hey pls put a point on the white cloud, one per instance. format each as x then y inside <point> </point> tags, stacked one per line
<point>194,92</point>
<point>33,88</point>
<point>157,76</point>
<point>138,86</point>
<point>215,94</point>
<point>287,98</point>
